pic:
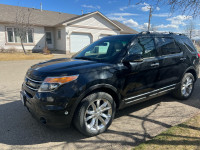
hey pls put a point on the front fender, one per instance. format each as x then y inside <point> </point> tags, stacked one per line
<point>88,91</point>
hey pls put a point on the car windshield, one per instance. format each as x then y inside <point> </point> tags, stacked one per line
<point>105,49</point>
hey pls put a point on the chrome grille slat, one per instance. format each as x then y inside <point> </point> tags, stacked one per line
<point>34,80</point>
<point>32,84</point>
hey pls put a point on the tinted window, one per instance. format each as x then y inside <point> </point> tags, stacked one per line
<point>167,46</point>
<point>188,43</point>
<point>143,46</point>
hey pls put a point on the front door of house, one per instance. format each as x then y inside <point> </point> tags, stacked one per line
<point>49,39</point>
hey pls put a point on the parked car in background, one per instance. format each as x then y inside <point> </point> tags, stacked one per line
<point>110,74</point>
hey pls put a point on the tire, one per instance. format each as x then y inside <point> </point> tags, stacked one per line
<point>89,114</point>
<point>179,92</point>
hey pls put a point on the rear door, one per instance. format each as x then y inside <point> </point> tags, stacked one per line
<point>171,60</point>
<point>141,77</point>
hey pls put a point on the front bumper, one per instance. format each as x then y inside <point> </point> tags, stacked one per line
<point>48,114</point>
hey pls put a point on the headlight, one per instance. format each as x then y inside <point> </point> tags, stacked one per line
<point>52,83</point>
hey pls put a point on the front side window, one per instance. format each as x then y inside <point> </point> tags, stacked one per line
<point>143,46</point>
<point>167,46</point>
<point>15,35</point>
<point>105,49</point>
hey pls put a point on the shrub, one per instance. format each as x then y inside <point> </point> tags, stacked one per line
<point>46,51</point>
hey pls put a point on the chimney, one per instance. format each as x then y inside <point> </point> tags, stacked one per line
<point>40,6</point>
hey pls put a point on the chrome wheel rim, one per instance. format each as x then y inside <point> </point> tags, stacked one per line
<point>98,114</point>
<point>187,86</point>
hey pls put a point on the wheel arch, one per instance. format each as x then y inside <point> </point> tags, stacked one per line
<point>100,87</point>
<point>192,71</point>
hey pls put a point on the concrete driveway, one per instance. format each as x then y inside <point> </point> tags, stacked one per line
<point>133,125</point>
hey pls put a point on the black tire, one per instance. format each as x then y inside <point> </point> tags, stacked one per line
<point>178,92</point>
<point>80,115</point>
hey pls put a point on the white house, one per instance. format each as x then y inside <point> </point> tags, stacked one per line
<point>66,33</point>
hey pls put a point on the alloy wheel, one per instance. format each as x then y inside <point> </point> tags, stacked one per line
<point>187,86</point>
<point>98,114</point>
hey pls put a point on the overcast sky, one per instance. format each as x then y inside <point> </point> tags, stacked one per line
<point>135,16</point>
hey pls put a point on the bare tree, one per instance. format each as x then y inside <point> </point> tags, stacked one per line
<point>22,26</point>
<point>190,29</point>
<point>185,6</point>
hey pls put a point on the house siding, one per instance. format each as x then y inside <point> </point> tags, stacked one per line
<point>38,37</point>
<point>94,25</point>
<point>60,44</point>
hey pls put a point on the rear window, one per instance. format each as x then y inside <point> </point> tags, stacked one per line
<point>167,46</point>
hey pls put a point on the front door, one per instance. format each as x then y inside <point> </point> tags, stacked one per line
<point>49,39</point>
<point>141,77</point>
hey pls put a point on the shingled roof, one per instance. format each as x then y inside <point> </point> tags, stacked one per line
<point>42,18</point>
<point>126,29</point>
<point>46,18</point>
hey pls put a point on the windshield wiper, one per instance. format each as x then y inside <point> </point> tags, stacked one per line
<point>84,58</point>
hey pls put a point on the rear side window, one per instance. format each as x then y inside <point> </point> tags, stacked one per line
<point>144,47</point>
<point>188,43</point>
<point>167,46</point>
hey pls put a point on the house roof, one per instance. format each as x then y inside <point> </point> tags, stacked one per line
<point>9,13</point>
<point>126,29</point>
<point>42,18</point>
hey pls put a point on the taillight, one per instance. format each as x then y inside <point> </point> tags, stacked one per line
<point>199,55</point>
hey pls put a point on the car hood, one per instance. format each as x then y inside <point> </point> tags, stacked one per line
<point>63,67</point>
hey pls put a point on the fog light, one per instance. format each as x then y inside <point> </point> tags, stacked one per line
<point>66,113</point>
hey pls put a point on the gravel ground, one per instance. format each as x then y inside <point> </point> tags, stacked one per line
<point>133,125</point>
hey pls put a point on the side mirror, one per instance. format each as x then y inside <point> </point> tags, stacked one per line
<point>133,58</point>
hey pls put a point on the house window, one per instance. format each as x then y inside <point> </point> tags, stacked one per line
<point>10,34</point>
<point>30,36</point>
<point>13,35</point>
<point>59,34</point>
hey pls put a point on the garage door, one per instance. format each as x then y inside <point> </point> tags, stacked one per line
<point>78,41</point>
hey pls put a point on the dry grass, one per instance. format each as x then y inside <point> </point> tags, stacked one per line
<point>22,56</point>
<point>183,136</point>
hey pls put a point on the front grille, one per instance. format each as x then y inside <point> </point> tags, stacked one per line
<point>32,84</point>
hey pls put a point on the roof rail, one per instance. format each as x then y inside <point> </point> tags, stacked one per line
<point>155,32</point>
<point>159,32</point>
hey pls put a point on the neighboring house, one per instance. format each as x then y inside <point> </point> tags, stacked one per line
<point>61,31</point>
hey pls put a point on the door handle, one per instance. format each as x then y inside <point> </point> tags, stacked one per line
<point>182,59</point>
<point>155,64</point>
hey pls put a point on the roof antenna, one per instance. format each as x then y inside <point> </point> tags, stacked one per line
<point>40,6</point>
<point>82,12</point>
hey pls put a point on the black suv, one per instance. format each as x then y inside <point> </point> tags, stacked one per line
<point>110,74</point>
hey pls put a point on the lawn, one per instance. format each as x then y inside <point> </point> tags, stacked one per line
<point>185,136</point>
<point>22,56</point>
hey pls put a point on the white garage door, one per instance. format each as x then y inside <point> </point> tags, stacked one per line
<point>78,41</point>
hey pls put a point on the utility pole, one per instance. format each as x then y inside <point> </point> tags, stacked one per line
<point>150,15</point>
<point>41,6</point>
